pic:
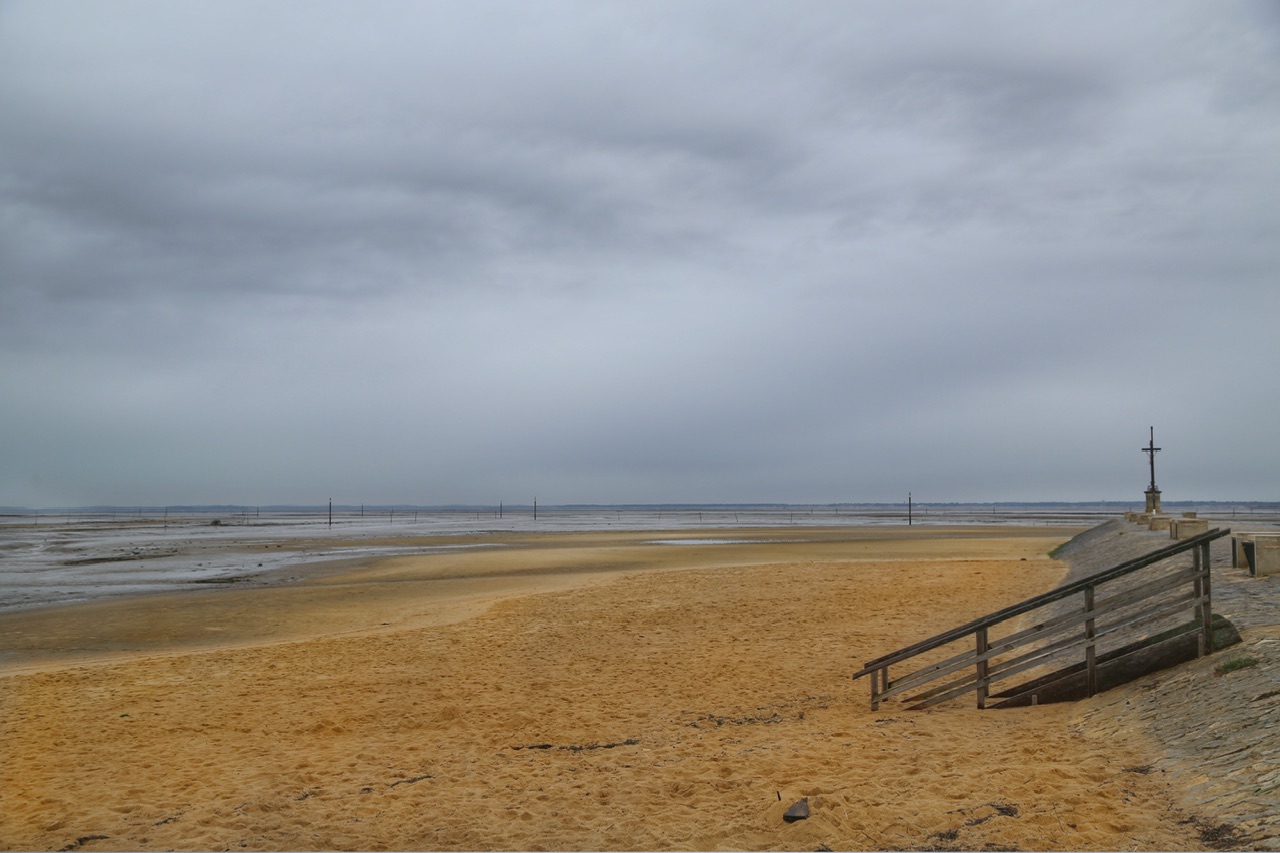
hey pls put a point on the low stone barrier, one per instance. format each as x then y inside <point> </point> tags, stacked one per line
<point>1266,556</point>
<point>1185,528</point>
<point>1159,522</point>
<point>1258,553</point>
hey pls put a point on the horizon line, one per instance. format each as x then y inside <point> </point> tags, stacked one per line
<point>472,507</point>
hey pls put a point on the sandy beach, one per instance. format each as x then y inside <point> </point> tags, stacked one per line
<point>564,691</point>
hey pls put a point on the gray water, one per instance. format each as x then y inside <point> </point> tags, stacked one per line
<point>48,559</point>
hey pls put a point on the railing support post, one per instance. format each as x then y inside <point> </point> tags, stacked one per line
<point>1204,589</point>
<point>982,667</point>
<point>1090,649</point>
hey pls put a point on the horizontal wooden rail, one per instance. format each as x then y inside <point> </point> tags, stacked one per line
<point>1005,668</point>
<point>1037,632</point>
<point>1041,656</point>
<point>1085,627</point>
<point>1039,601</point>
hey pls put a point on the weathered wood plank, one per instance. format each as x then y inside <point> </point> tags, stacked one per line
<point>981,650</point>
<point>1090,647</point>
<point>1206,609</point>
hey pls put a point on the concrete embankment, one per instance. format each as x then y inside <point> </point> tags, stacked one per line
<point>1218,726</point>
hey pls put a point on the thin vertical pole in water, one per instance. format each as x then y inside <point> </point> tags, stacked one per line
<point>908,509</point>
<point>535,508</point>
<point>331,512</point>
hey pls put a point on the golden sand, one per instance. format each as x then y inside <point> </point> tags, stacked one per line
<point>558,692</point>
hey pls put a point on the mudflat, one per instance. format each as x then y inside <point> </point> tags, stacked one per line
<point>567,691</point>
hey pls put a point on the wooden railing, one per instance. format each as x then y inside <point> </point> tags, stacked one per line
<point>1108,610</point>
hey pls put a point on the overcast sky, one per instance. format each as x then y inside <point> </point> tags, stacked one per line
<point>596,252</point>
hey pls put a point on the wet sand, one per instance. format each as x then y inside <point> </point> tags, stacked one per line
<point>563,691</point>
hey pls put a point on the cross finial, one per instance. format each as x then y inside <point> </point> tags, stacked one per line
<point>1151,450</point>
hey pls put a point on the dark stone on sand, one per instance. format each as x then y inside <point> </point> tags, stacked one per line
<point>798,811</point>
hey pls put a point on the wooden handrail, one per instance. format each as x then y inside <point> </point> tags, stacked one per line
<point>1039,631</point>
<point>1038,657</point>
<point>986,648</point>
<point>1038,601</point>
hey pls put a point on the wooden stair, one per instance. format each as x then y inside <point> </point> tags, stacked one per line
<point>1117,629</point>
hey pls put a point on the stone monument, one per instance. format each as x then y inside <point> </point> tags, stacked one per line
<point>1153,494</point>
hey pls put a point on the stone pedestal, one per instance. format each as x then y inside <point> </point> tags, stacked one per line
<point>1153,501</point>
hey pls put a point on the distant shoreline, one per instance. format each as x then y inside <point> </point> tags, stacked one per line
<point>870,508</point>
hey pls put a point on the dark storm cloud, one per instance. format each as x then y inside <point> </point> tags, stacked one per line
<point>621,252</point>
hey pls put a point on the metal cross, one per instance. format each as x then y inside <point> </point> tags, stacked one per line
<point>1151,450</point>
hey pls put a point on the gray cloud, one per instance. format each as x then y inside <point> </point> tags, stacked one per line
<point>635,252</point>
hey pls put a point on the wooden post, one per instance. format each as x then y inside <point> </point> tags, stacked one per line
<point>1208,596</point>
<point>1204,589</point>
<point>879,684</point>
<point>1090,649</point>
<point>982,668</point>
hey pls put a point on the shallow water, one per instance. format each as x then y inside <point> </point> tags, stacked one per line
<point>70,557</point>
